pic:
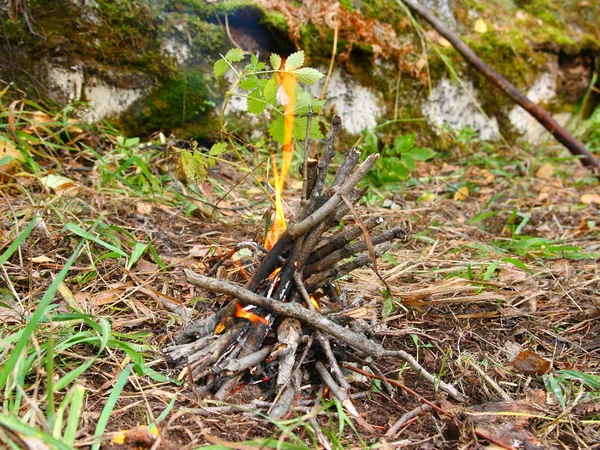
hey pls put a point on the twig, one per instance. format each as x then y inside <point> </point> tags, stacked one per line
<point>305,182</point>
<point>319,322</point>
<point>393,430</point>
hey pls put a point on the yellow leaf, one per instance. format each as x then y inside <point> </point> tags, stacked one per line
<point>444,42</point>
<point>41,259</point>
<point>7,148</point>
<point>545,172</point>
<point>590,198</point>
<point>57,183</point>
<point>480,26</point>
<point>461,194</point>
<point>427,197</point>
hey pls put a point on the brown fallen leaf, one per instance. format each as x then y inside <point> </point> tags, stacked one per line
<point>529,363</point>
<point>588,199</point>
<point>505,423</point>
<point>545,172</point>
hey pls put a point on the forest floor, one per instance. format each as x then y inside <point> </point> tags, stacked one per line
<point>496,289</point>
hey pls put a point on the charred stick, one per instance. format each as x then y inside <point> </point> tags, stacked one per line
<point>270,261</point>
<point>250,245</point>
<point>305,182</point>
<point>342,238</point>
<point>346,168</point>
<point>296,311</point>
<point>354,197</point>
<point>179,351</point>
<point>302,227</point>
<point>350,250</point>
<point>318,279</point>
<point>336,126</point>
<point>237,365</point>
<point>198,329</point>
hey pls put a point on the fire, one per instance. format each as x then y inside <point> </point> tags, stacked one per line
<point>287,97</point>
<point>244,314</point>
<point>315,303</point>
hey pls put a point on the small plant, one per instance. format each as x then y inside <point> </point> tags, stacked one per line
<point>277,90</point>
<point>398,160</point>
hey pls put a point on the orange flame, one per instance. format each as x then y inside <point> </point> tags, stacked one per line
<point>287,95</point>
<point>254,318</point>
<point>315,303</point>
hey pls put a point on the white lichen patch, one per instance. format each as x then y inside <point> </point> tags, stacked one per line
<point>453,106</point>
<point>89,10</point>
<point>104,99</point>
<point>543,90</point>
<point>177,49</point>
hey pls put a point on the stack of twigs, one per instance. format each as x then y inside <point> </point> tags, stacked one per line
<point>275,330</point>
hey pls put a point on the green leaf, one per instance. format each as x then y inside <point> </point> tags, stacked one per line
<point>275,60</point>
<point>218,149</point>
<point>404,143</point>
<point>194,166</point>
<point>315,130</point>
<point>256,103</point>
<point>254,59</point>
<point>276,129</point>
<point>235,55</point>
<point>270,90</point>
<point>294,61</point>
<point>220,67</point>
<point>308,75</point>
<point>388,307</point>
<point>409,161</point>
<point>249,83</point>
<point>421,154</point>
<point>20,239</point>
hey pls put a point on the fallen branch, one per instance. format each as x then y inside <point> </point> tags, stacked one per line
<point>537,112</point>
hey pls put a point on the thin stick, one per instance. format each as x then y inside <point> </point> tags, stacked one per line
<point>393,430</point>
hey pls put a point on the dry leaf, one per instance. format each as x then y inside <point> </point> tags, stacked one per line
<point>545,172</point>
<point>143,266</point>
<point>143,208</point>
<point>41,259</point>
<point>480,26</point>
<point>444,42</point>
<point>588,199</point>
<point>8,149</point>
<point>59,184</point>
<point>199,250</point>
<point>529,363</point>
<point>106,297</point>
<point>140,437</point>
<point>461,194</point>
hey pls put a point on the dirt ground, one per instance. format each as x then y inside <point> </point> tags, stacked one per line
<point>495,290</point>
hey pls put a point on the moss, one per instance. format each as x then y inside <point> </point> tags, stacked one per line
<point>177,103</point>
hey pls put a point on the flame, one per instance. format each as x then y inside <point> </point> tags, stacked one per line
<point>315,303</point>
<point>287,96</point>
<point>244,314</point>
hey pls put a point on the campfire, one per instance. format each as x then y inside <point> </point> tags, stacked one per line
<point>288,327</point>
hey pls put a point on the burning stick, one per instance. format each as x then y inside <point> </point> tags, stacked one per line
<point>300,262</point>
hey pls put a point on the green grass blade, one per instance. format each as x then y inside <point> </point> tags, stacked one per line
<point>75,408</point>
<point>90,237</point>
<point>13,423</point>
<point>109,406</point>
<point>37,315</point>
<point>20,239</point>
